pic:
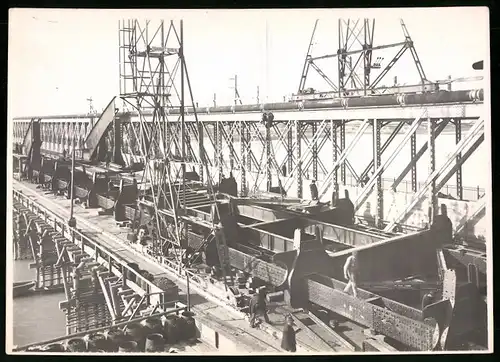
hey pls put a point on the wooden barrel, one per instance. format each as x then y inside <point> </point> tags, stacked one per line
<point>136,332</point>
<point>171,330</point>
<point>127,346</point>
<point>54,347</point>
<point>155,343</point>
<point>154,325</point>
<point>114,337</point>
<point>97,341</point>
<point>189,327</point>
<point>76,345</point>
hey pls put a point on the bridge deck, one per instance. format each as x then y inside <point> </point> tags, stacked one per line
<point>105,231</point>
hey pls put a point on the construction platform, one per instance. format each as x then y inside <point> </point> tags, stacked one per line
<point>231,325</point>
<point>420,242</point>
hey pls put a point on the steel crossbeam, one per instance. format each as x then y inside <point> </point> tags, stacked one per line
<point>475,132</point>
<point>361,129</point>
<point>368,188</point>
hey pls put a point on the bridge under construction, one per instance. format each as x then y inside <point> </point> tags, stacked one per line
<point>212,200</point>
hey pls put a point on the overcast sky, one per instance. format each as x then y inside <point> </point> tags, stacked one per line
<point>59,58</point>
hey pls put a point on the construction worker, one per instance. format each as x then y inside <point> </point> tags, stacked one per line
<point>288,340</point>
<point>314,190</point>
<point>351,273</point>
<point>258,306</point>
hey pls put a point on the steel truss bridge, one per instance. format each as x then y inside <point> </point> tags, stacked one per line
<point>246,146</point>
<point>271,150</point>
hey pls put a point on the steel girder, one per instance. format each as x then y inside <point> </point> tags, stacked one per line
<point>441,175</point>
<point>287,136</point>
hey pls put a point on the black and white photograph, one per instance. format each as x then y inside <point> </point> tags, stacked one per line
<point>249,182</point>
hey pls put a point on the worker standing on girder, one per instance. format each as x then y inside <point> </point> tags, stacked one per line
<point>258,305</point>
<point>351,273</point>
<point>314,190</point>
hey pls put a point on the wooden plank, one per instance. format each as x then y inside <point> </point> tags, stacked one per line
<point>345,343</point>
<point>322,344</point>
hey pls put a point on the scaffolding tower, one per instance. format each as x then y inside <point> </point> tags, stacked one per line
<point>355,63</point>
<point>154,79</point>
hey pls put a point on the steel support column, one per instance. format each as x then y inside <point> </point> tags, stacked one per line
<point>220,160</point>
<point>413,156</point>
<point>342,148</point>
<point>216,147</point>
<point>201,150</point>
<point>244,155</point>
<point>431,134</point>
<point>458,137</point>
<point>269,176</point>
<point>333,128</point>
<point>377,161</point>
<point>231,148</point>
<point>290,150</point>
<point>315,150</point>
<point>298,155</point>
<point>248,148</point>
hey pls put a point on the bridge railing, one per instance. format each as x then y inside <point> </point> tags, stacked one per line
<point>152,292</point>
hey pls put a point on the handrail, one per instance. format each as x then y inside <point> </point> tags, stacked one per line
<point>82,236</point>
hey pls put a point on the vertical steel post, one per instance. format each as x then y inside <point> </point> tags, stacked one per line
<point>333,133</point>
<point>243,151</point>
<point>201,150</point>
<point>413,156</point>
<point>269,156</point>
<point>298,155</point>
<point>377,161</point>
<point>183,151</point>
<point>315,150</point>
<point>342,147</point>
<point>72,220</point>
<point>220,125</point>
<point>231,147</point>
<point>289,150</point>
<point>216,144</point>
<point>458,137</point>
<point>431,134</point>
<point>248,148</point>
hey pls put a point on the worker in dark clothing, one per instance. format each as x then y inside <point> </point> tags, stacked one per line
<point>428,299</point>
<point>258,306</point>
<point>443,223</point>
<point>314,190</point>
<point>288,340</point>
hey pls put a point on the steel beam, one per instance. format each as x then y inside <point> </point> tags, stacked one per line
<point>377,153</point>
<point>386,144</point>
<point>333,132</point>
<point>298,157</point>
<point>413,162</point>
<point>458,137</point>
<point>364,125</point>
<point>458,104</point>
<point>378,172</point>
<point>475,132</point>
<point>418,155</point>
<point>315,150</point>
<point>433,202</point>
<point>342,148</point>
